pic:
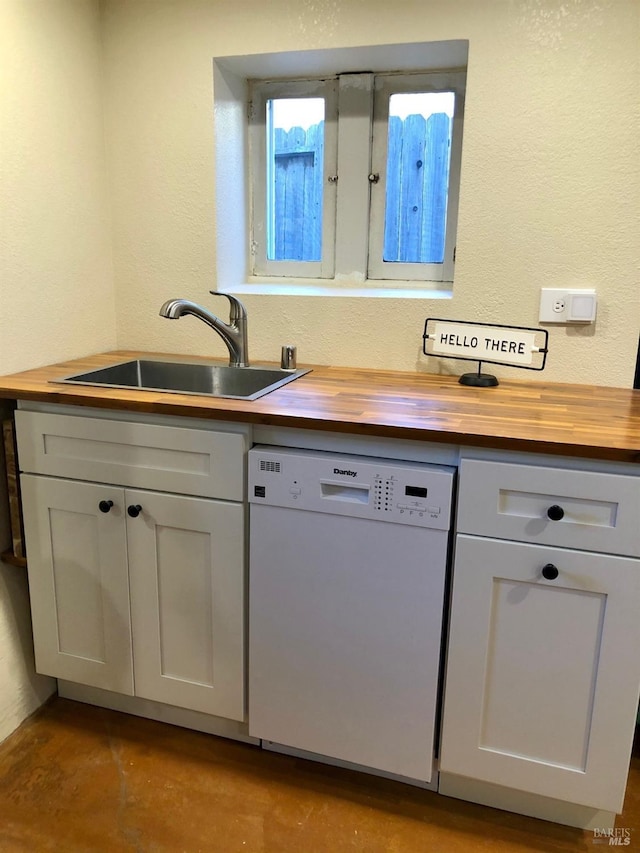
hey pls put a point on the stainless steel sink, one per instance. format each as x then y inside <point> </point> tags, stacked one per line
<point>240,383</point>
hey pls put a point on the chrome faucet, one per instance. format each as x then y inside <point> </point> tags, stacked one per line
<point>234,333</point>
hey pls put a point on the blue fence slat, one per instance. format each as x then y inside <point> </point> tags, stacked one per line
<point>435,187</point>
<point>410,200</point>
<point>313,187</point>
<point>394,185</point>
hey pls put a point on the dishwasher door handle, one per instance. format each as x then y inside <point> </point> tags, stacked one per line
<point>338,490</point>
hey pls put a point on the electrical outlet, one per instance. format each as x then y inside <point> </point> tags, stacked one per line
<point>567,306</point>
<point>553,305</point>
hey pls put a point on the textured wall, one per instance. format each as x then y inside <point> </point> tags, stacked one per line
<point>550,174</point>
<point>55,256</point>
<point>55,261</point>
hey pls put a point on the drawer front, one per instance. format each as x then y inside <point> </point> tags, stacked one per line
<point>162,458</point>
<point>586,510</point>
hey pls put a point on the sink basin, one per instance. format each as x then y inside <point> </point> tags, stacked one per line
<point>240,383</point>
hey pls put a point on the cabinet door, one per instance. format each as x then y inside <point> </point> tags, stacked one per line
<point>186,558</point>
<point>78,582</point>
<point>540,695</point>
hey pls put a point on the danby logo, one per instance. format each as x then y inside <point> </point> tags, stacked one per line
<point>345,472</point>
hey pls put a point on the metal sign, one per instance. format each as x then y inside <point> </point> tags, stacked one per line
<point>511,346</point>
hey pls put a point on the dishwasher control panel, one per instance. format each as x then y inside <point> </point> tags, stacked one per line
<point>362,486</point>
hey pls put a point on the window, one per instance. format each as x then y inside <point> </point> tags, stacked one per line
<point>356,176</point>
<point>294,150</point>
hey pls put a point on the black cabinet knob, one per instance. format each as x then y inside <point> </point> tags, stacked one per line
<point>550,572</point>
<point>134,510</point>
<point>555,512</point>
<point>105,506</point>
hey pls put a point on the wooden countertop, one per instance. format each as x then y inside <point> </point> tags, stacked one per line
<point>570,420</point>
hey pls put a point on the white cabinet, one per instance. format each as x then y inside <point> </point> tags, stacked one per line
<point>78,583</point>
<point>535,686</point>
<point>137,591</point>
<point>186,575</point>
<point>539,694</point>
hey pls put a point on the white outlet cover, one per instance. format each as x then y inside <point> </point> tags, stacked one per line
<point>579,305</point>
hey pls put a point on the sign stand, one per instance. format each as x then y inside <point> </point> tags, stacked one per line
<point>479,379</point>
<point>511,346</point>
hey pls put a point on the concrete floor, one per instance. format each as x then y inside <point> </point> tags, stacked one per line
<point>79,779</point>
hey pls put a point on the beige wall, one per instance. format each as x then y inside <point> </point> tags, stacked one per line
<point>55,258</point>
<point>550,175</point>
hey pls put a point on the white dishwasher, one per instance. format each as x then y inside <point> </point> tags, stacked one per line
<point>348,560</point>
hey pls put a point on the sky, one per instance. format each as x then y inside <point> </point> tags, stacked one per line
<point>303,112</point>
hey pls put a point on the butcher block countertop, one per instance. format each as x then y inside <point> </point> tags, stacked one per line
<point>523,414</point>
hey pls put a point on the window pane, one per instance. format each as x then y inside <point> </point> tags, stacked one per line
<point>295,149</point>
<point>418,156</point>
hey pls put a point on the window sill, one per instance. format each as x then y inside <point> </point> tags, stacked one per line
<point>339,288</point>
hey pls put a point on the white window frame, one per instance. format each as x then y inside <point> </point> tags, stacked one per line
<point>385,86</point>
<point>356,132</point>
<point>260,93</point>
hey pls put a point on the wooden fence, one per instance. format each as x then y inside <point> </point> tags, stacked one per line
<point>416,195</point>
<point>417,181</point>
<point>296,218</point>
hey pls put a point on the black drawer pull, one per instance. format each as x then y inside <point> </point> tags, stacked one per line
<point>555,512</point>
<point>134,510</point>
<point>105,506</point>
<point>550,572</point>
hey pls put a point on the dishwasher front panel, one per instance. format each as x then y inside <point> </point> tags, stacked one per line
<point>388,490</point>
<point>345,635</point>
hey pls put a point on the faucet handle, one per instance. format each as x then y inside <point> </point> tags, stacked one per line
<point>237,309</point>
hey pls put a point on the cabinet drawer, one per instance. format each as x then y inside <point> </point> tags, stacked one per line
<point>592,511</point>
<point>162,458</point>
